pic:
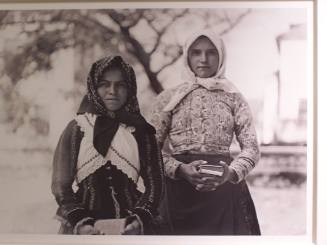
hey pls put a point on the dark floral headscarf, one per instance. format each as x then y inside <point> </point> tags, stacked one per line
<point>97,70</point>
<point>107,122</point>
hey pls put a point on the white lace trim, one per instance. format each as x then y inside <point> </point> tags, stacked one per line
<point>89,159</point>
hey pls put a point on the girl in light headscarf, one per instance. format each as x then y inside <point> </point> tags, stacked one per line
<point>199,118</point>
<point>111,153</point>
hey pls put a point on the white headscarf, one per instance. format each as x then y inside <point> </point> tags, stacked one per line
<point>217,81</point>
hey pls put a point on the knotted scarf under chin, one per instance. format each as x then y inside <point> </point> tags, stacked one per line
<point>106,127</point>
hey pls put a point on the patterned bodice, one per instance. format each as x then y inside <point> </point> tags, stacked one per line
<point>203,122</point>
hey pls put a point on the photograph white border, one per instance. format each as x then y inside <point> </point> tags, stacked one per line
<point>322,202</point>
<point>321,74</point>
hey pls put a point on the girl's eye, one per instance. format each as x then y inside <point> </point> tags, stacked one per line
<point>107,84</point>
<point>195,52</point>
<point>122,84</point>
<point>212,52</point>
<point>102,84</point>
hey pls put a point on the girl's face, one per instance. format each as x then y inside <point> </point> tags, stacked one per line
<point>112,89</point>
<point>203,57</point>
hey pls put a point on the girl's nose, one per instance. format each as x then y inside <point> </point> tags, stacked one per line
<point>111,89</point>
<point>203,57</point>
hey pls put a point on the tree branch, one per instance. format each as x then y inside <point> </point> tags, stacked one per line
<point>232,24</point>
<point>172,61</point>
<point>3,16</point>
<point>164,29</point>
<point>226,18</point>
<point>137,20</point>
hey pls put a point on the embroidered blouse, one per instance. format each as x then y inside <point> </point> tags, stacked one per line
<point>204,122</point>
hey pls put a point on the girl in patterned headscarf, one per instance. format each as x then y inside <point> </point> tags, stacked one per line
<point>110,153</point>
<point>199,118</point>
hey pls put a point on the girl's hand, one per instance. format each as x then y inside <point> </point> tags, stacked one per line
<point>87,230</point>
<point>229,174</point>
<point>212,181</point>
<point>133,228</point>
<point>202,182</point>
<point>190,172</point>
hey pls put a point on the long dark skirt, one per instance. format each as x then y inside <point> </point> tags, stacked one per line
<point>229,210</point>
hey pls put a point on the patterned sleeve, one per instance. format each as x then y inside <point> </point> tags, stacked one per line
<point>246,136</point>
<point>161,120</point>
<point>70,211</point>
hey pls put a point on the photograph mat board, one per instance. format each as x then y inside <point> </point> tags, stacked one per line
<point>306,239</point>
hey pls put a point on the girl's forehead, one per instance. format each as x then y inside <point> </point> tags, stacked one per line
<point>203,42</point>
<point>114,73</point>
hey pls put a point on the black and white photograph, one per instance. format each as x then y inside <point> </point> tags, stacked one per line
<point>171,119</point>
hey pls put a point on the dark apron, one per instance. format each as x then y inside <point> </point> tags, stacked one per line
<point>229,210</point>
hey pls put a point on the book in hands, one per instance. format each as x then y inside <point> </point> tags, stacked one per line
<point>216,170</point>
<point>110,226</point>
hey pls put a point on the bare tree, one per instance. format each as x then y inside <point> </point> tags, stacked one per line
<point>142,35</point>
<point>45,32</point>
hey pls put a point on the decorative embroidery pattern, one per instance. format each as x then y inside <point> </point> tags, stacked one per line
<point>89,159</point>
<point>124,159</point>
<point>116,203</point>
<point>205,122</point>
